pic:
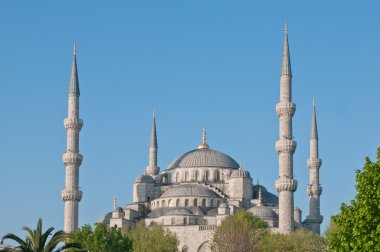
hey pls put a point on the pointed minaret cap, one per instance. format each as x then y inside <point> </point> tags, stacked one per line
<point>203,145</point>
<point>285,66</point>
<point>314,130</point>
<point>153,135</point>
<point>74,82</point>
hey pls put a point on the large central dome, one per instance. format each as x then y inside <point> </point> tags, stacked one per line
<point>204,158</point>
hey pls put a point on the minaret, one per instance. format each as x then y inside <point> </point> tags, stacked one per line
<point>71,195</point>
<point>152,169</point>
<point>286,185</point>
<point>314,189</point>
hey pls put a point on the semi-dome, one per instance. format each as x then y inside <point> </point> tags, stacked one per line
<point>240,173</point>
<point>204,158</point>
<point>189,190</point>
<point>263,212</point>
<point>144,179</point>
<point>178,211</point>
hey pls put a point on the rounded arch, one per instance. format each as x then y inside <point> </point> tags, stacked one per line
<point>207,175</point>
<point>186,176</point>
<point>177,202</point>
<point>217,175</point>
<point>163,203</point>
<point>196,175</point>
<point>186,202</point>
<point>195,202</point>
<point>176,177</point>
<point>205,247</point>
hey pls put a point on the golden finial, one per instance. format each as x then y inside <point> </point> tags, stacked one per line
<point>260,202</point>
<point>114,202</point>
<point>75,48</point>
<point>203,145</point>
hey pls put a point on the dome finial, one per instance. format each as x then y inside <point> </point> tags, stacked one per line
<point>114,202</point>
<point>260,202</point>
<point>203,145</point>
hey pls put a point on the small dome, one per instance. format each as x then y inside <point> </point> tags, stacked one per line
<point>204,158</point>
<point>144,179</point>
<point>189,190</point>
<point>267,197</point>
<point>240,173</point>
<point>178,211</point>
<point>263,212</point>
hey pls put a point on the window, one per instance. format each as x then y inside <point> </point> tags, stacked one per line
<point>158,204</point>
<point>177,202</point>
<point>204,202</point>
<point>217,175</point>
<point>186,176</point>
<point>195,202</point>
<point>176,177</point>
<point>186,202</point>
<point>207,177</point>
<point>185,221</point>
<point>196,175</point>
<point>169,202</point>
<point>211,202</point>
<point>163,203</point>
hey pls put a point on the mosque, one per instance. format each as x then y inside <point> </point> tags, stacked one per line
<point>193,195</point>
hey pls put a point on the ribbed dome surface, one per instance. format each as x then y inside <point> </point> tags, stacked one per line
<point>144,179</point>
<point>189,190</point>
<point>204,158</point>
<point>263,212</point>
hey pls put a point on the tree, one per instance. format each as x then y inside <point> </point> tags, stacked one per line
<point>36,241</point>
<point>153,239</point>
<point>358,224</point>
<point>239,232</point>
<point>100,239</point>
<point>299,241</point>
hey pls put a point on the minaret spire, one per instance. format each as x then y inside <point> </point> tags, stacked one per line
<point>314,189</point>
<point>286,185</point>
<point>152,168</point>
<point>72,159</point>
<point>203,145</point>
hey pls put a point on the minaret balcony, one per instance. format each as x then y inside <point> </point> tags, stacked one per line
<point>71,195</point>
<point>73,123</point>
<point>70,158</point>
<point>314,219</point>
<point>286,145</point>
<point>285,109</point>
<point>284,184</point>
<point>314,163</point>
<point>314,190</point>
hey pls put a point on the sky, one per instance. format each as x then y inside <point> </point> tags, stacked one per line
<point>200,63</point>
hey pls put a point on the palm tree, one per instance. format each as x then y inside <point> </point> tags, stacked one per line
<point>36,241</point>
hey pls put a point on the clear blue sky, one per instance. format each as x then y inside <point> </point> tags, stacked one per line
<point>212,63</point>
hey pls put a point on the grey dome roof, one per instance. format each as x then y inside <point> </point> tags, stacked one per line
<point>144,179</point>
<point>267,197</point>
<point>263,212</point>
<point>204,158</point>
<point>186,190</point>
<point>240,173</point>
<point>178,211</point>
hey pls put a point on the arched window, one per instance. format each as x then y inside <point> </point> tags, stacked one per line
<point>185,221</point>
<point>195,202</point>
<point>186,176</point>
<point>169,202</point>
<point>217,203</point>
<point>177,202</point>
<point>211,202</point>
<point>176,177</point>
<point>163,203</point>
<point>207,177</point>
<point>173,221</point>
<point>158,204</point>
<point>217,175</point>
<point>196,175</point>
<point>204,202</point>
<point>186,202</point>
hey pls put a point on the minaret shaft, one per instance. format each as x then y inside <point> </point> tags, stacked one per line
<point>152,169</point>
<point>72,159</point>
<point>314,189</point>
<point>286,146</point>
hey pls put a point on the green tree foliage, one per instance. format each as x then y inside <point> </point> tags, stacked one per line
<point>299,241</point>
<point>239,233</point>
<point>37,241</point>
<point>100,239</point>
<point>358,224</point>
<point>152,239</point>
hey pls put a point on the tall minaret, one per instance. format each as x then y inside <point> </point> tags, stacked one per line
<point>314,189</point>
<point>152,169</point>
<point>71,158</point>
<point>286,185</point>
